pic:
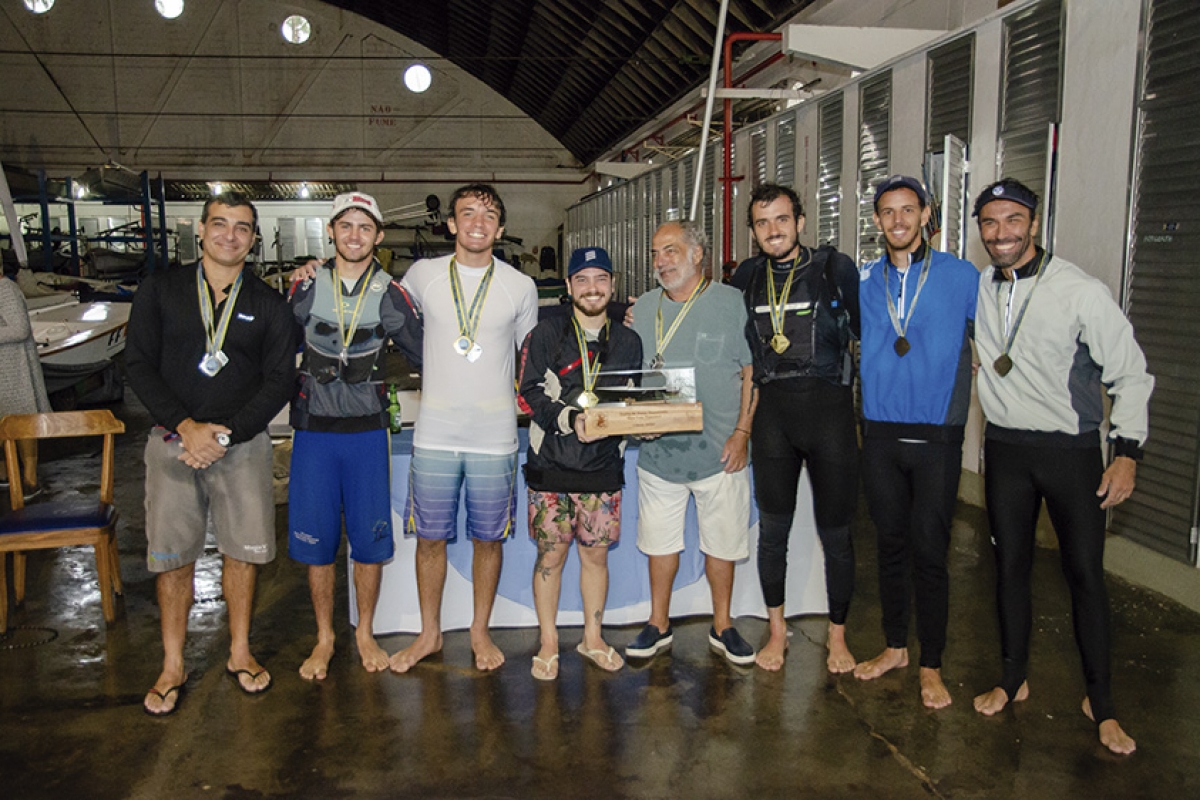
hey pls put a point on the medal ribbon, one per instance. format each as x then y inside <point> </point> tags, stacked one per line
<point>215,339</point>
<point>661,341</point>
<point>776,305</point>
<point>358,306</point>
<point>591,369</point>
<point>1016,325</point>
<point>902,330</point>
<point>468,321</point>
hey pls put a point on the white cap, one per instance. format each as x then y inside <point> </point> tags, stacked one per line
<point>344,202</point>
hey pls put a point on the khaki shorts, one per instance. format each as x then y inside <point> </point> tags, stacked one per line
<point>722,507</point>
<point>235,492</point>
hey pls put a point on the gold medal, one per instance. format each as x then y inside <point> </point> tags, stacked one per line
<point>901,346</point>
<point>780,343</point>
<point>1003,365</point>
<point>588,400</point>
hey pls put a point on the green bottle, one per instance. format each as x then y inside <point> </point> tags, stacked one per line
<point>394,417</point>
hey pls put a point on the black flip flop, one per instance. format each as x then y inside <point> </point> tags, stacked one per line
<point>178,690</point>
<point>237,673</point>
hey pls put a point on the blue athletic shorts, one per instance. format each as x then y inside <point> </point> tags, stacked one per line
<point>435,481</point>
<point>334,473</point>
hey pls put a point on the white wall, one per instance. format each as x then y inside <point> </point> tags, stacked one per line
<point>1099,87</point>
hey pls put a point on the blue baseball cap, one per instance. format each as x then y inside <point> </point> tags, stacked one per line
<point>1007,189</point>
<point>589,258</point>
<point>901,182</point>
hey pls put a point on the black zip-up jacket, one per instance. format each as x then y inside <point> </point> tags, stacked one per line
<point>551,381</point>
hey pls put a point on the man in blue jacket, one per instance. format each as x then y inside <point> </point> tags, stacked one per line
<point>918,313</point>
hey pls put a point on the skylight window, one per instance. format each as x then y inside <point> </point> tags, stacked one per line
<point>296,29</point>
<point>169,9</point>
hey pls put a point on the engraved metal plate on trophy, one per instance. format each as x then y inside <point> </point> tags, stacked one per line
<point>651,401</point>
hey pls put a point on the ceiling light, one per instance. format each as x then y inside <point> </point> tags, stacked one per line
<point>169,9</point>
<point>296,29</point>
<point>304,190</point>
<point>39,6</point>
<point>216,187</point>
<point>417,78</point>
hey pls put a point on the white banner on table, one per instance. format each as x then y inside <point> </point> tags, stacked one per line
<point>629,580</point>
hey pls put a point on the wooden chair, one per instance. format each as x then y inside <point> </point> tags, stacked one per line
<point>60,523</point>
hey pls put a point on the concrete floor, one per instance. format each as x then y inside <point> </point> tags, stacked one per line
<point>688,725</point>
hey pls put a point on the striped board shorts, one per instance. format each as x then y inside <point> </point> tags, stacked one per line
<point>435,482</point>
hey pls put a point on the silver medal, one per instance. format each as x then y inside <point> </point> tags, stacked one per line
<point>462,345</point>
<point>474,353</point>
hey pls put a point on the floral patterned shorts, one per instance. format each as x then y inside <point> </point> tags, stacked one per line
<point>595,519</point>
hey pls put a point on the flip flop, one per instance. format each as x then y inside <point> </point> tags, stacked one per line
<point>610,657</point>
<point>178,690</point>
<point>548,668</point>
<point>237,674</point>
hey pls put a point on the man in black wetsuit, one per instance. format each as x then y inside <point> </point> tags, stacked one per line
<point>802,305</point>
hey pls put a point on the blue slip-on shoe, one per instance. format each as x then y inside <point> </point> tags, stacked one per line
<point>649,642</point>
<point>731,644</point>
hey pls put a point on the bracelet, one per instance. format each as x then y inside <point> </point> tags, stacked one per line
<point>743,430</point>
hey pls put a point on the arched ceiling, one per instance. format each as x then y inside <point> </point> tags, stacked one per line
<point>590,73</point>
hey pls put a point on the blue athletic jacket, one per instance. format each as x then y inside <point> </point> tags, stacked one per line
<point>924,394</point>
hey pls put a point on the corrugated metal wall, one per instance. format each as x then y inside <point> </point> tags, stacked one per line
<point>1164,281</point>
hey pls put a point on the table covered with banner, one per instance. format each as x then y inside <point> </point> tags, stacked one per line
<point>629,579</point>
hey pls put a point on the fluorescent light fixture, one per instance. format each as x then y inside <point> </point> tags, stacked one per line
<point>169,9</point>
<point>418,78</point>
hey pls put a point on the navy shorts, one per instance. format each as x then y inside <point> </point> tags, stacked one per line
<point>334,473</point>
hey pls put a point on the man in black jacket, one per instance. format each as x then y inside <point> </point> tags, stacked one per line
<point>574,481</point>
<point>211,353</point>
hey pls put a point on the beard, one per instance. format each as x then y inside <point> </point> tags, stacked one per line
<point>1005,260</point>
<point>590,305</point>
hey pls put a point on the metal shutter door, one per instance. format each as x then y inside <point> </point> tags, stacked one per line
<point>1163,289</point>
<point>1030,95</point>
<point>785,151</point>
<point>829,168</point>
<point>950,81</point>
<point>874,132</point>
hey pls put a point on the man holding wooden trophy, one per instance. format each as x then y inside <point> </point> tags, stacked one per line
<point>693,322</point>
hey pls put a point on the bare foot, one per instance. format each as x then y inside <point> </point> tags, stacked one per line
<point>1112,735</point>
<point>840,660</point>
<point>771,655</point>
<point>162,699</point>
<point>487,655</point>
<point>934,693</point>
<point>316,666</point>
<point>993,702</point>
<point>891,658</point>
<point>425,645</point>
<point>374,657</point>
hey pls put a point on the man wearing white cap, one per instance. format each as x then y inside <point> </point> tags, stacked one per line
<point>340,455</point>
